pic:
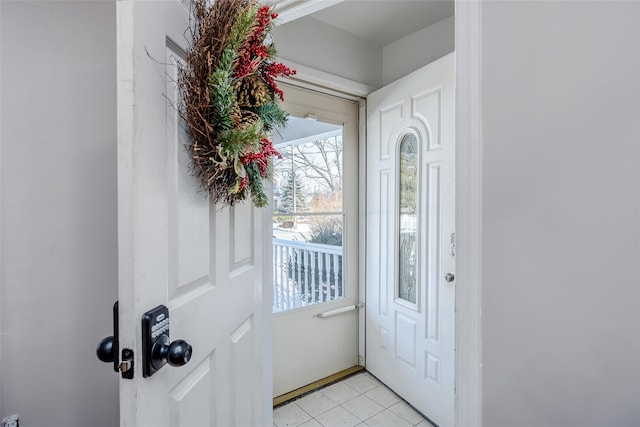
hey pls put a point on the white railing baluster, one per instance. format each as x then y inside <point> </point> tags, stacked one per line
<point>314,286</point>
<point>278,267</point>
<point>322,276</point>
<point>339,273</point>
<point>336,272</point>
<point>305,285</point>
<point>281,289</point>
<point>303,274</point>
<point>276,306</point>
<point>326,288</point>
<point>326,285</point>
<point>291,272</point>
<point>305,277</point>
<point>298,279</point>
<point>314,276</point>
<point>278,280</point>
<point>286,280</point>
<point>332,282</point>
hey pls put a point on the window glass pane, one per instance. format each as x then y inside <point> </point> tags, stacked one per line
<point>408,219</point>
<point>309,176</point>
<point>308,215</point>
<point>308,262</point>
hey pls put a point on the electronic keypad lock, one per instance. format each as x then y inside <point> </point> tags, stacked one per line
<point>157,350</point>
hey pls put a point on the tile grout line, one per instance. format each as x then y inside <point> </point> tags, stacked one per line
<point>363,422</point>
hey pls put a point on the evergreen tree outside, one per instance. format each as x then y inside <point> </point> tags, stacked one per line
<point>293,191</point>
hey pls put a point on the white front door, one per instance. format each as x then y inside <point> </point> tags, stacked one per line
<point>315,240</point>
<point>204,263</point>
<point>410,223</point>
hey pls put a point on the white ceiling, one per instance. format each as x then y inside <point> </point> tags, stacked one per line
<point>380,22</point>
<point>301,130</point>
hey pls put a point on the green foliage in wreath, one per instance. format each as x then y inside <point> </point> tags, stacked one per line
<point>231,99</point>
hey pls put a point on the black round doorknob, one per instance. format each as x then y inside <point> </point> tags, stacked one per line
<point>105,350</point>
<point>177,353</point>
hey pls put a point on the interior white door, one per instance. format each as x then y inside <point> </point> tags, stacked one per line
<point>307,348</point>
<point>410,222</point>
<point>205,263</point>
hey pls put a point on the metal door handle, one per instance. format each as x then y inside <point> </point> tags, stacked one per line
<point>449,277</point>
<point>178,353</point>
<point>107,350</point>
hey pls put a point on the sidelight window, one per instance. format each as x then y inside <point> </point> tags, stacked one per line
<point>408,219</point>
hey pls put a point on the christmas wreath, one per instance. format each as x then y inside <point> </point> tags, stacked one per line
<point>230,98</point>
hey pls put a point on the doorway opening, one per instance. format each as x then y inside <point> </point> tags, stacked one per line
<point>315,240</point>
<point>410,214</point>
<point>410,245</point>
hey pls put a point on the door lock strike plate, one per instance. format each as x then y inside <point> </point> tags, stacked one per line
<point>126,364</point>
<point>452,244</point>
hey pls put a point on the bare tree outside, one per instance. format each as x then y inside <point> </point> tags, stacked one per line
<point>310,181</point>
<point>318,162</point>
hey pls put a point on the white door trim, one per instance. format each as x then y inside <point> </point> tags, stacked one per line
<point>1,287</point>
<point>289,10</point>
<point>267,305</point>
<point>468,213</point>
<point>362,224</point>
<point>327,83</point>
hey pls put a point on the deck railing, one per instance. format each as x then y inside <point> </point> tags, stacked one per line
<point>305,273</point>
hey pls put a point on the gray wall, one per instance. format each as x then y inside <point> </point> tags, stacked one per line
<point>561,230</point>
<point>315,44</point>
<point>58,217</point>
<point>417,50</point>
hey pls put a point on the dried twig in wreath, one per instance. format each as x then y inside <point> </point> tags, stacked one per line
<point>231,98</point>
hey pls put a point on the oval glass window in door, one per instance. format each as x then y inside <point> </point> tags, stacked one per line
<point>408,219</point>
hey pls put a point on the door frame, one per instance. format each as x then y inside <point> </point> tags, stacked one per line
<point>329,84</point>
<point>346,111</point>
<point>468,199</point>
<point>468,359</point>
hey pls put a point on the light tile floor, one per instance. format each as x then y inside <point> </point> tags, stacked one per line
<point>359,400</point>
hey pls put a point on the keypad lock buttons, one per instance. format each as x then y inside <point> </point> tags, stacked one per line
<point>157,348</point>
